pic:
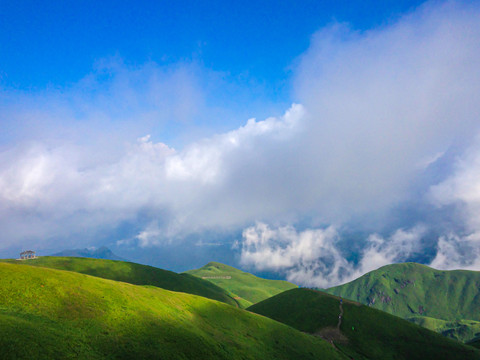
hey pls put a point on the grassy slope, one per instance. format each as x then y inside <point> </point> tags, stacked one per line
<point>455,329</point>
<point>54,314</point>
<point>475,343</point>
<point>134,274</point>
<point>411,290</point>
<point>246,288</point>
<point>372,334</point>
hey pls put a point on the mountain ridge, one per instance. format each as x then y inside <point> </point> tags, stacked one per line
<point>412,291</point>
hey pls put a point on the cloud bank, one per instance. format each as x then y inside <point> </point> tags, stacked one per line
<point>384,118</point>
<point>314,257</point>
<point>394,121</point>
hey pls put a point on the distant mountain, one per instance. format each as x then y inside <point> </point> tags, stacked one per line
<point>244,287</point>
<point>444,301</point>
<point>100,253</point>
<point>359,331</point>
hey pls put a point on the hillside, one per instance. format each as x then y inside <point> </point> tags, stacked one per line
<point>455,329</point>
<point>475,343</point>
<point>412,290</point>
<point>246,288</point>
<point>54,314</point>
<point>134,274</point>
<point>100,253</point>
<point>364,332</point>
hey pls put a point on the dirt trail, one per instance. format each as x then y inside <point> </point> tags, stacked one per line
<point>332,334</point>
<point>340,316</point>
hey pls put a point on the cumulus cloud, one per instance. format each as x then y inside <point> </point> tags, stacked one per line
<point>386,109</point>
<point>65,192</point>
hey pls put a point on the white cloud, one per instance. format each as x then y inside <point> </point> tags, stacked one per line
<point>152,235</point>
<point>462,187</point>
<point>268,249</point>
<point>377,110</point>
<point>313,257</point>
<point>458,252</point>
<point>460,191</point>
<point>384,100</point>
<point>398,247</point>
<point>69,192</point>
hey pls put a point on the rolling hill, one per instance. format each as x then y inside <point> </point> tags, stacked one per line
<point>246,288</point>
<point>445,301</point>
<point>364,332</point>
<point>54,314</point>
<point>134,274</point>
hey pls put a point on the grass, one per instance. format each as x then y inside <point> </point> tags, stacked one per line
<point>132,273</point>
<point>475,343</point>
<point>246,288</point>
<point>365,333</point>
<point>412,290</point>
<point>455,329</point>
<point>53,314</point>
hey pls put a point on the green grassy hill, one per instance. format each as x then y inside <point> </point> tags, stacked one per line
<point>134,274</point>
<point>364,333</point>
<point>54,314</point>
<point>475,343</point>
<point>455,329</point>
<point>246,288</point>
<point>412,290</point>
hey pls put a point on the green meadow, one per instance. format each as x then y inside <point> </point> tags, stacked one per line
<point>246,288</point>
<point>81,308</point>
<point>55,314</point>
<point>455,329</point>
<point>132,273</point>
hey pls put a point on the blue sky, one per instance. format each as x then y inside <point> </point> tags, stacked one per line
<point>311,140</point>
<point>242,55</point>
<point>56,43</point>
<point>252,47</point>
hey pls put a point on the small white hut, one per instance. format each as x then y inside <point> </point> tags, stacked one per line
<point>29,254</point>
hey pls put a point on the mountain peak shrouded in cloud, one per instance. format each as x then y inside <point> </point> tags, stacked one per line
<point>375,113</point>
